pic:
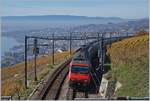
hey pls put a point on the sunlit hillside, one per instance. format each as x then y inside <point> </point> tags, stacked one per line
<point>130,65</point>
<point>13,76</point>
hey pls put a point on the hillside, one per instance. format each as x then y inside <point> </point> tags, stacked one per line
<point>130,65</point>
<point>13,76</point>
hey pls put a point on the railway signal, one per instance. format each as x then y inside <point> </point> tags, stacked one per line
<point>35,50</point>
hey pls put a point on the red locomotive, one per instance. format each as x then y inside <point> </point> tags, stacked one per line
<point>79,73</point>
<point>82,66</point>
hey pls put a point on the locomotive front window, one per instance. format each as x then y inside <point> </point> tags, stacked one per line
<point>80,69</point>
<point>79,59</point>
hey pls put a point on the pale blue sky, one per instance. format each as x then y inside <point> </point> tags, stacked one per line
<point>103,8</point>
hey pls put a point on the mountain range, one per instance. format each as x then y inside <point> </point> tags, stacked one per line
<point>11,23</point>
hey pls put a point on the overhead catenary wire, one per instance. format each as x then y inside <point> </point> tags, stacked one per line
<point>53,38</point>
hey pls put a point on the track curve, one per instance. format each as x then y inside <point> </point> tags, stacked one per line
<point>52,90</point>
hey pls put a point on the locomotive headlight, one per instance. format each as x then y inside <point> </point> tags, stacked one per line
<point>85,80</point>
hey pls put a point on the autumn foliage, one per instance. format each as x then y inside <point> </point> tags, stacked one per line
<point>13,76</point>
<point>130,65</point>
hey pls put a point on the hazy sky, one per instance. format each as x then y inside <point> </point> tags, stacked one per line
<point>104,8</point>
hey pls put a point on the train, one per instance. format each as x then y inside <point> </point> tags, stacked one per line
<point>82,65</point>
<point>86,62</point>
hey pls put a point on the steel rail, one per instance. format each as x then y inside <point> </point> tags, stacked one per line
<point>49,87</point>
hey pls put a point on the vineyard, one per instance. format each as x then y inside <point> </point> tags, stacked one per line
<point>13,76</point>
<point>130,65</point>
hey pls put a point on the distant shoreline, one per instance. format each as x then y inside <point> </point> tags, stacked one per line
<point>7,43</point>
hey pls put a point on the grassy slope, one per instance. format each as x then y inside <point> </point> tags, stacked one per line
<point>12,76</point>
<point>130,65</point>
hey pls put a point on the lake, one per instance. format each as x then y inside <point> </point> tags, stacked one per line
<point>7,43</point>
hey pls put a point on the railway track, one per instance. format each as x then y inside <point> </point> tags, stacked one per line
<point>52,90</point>
<point>79,95</point>
<point>74,94</point>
